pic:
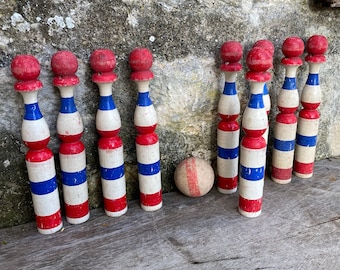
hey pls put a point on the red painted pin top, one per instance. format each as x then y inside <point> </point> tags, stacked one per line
<point>231,54</point>
<point>26,69</point>
<point>140,60</point>
<point>316,47</point>
<point>64,65</point>
<point>259,60</point>
<point>103,62</point>
<point>292,48</point>
<point>266,44</point>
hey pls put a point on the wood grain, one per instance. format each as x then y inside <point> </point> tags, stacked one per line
<point>299,228</point>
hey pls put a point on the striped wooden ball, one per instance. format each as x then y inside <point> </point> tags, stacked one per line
<point>194,177</point>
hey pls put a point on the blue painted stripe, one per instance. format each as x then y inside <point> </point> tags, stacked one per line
<point>32,112</point>
<point>284,145</point>
<point>227,153</point>
<point>289,84</point>
<point>256,101</point>
<point>252,174</point>
<point>74,178</point>
<point>265,89</point>
<point>106,103</point>
<point>149,169</point>
<point>313,79</point>
<point>67,105</point>
<point>45,187</point>
<point>307,141</point>
<point>113,173</point>
<point>144,99</point>
<point>229,88</point>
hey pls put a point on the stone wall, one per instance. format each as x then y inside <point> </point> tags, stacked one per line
<point>185,38</point>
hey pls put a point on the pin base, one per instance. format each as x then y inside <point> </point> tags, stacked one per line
<point>281,182</point>
<point>152,208</point>
<point>227,191</point>
<point>116,214</point>
<point>301,175</point>
<point>249,214</point>
<point>52,230</point>
<point>78,220</point>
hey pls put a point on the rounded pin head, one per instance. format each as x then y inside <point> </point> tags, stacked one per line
<point>317,45</point>
<point>259,59</point>
<point>231,51</point>
<point>64,63</point>
<point>102,60</point>
<point>140,60</point>
<point>25,67</point>
<point>266,44</point>
<point>293,47</point>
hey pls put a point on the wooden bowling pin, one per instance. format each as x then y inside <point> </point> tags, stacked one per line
<point>72,154</point>
<point>269,46</point>
<point>253,145</point>
<point>36,135</point>
<point>286,121</point>
<point>228,129</point>
<point>147,143</point>
<point>308,120</point>
<point>110,145</point>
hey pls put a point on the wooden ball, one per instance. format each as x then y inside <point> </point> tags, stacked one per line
<point>102,61</point>
<point>194,177</point>
<point>25,67</point>
<point>259,59</point>
<point>316,45</point>
<point>64,63</point>
<point>231,51</point>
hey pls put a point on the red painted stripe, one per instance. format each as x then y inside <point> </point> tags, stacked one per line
<point>77,211</point>
<point>303,168</point>
<point>191,171</point>
<point>110,143</point>
<point>254,133</point>
<point>253,142</point>
<point>27,86</point>
<point>309,114</point>
<point>147,139</point>
<point>48,222</point>
<point>115,205</point>
<point>286,118</point>
<point>227,183</point>
<point>103,77</point>
<point>71,148</point>
<point>151,199</point>
<point>108,133</point>
<point>258,76</point>
<point>310,106</point>
<point>251,206</point>
<point>39,155</point>
<point>66,80</point>
<point>228,126</point>
<point>146,130</point>
<point>228,117</point>
<point>286,110</point>
<point>70,138</point>
<point>37,144</point>
<point>141,75</point>
<point>282,174</point>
